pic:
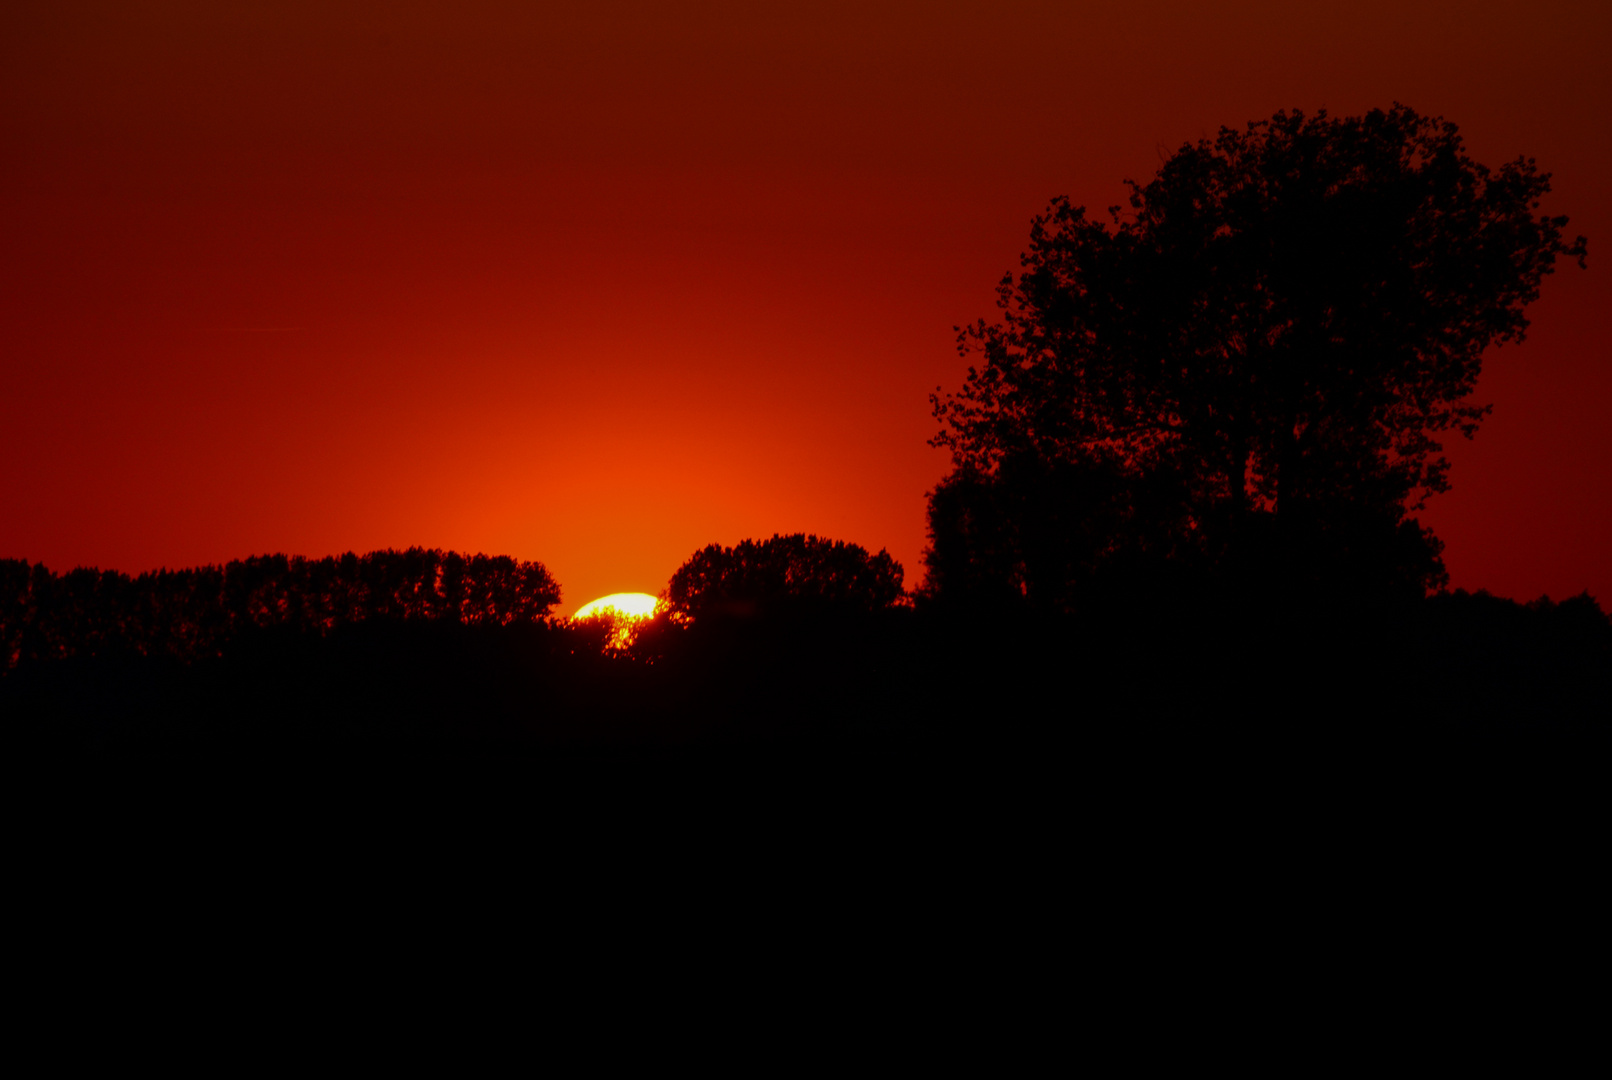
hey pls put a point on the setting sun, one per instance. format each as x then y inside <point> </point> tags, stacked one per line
<point>633,605</point>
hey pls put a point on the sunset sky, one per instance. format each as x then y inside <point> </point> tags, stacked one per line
<point>598,284</point>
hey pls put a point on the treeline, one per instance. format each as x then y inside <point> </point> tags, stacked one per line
<point>194,612</point>
<point>793,640</point>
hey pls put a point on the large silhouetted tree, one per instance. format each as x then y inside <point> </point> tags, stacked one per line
<point>1250,368</point>
<point>796,572</point>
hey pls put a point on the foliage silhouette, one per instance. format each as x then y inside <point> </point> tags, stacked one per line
<point>607,632</point>
<point>192,613</point>
<point>1454,666</point>
<point>794,572</point>
<point>1248,374</point>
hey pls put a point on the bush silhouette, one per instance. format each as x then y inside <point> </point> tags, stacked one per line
<point>796,573</point>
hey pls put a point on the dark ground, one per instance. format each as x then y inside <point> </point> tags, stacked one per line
<point>972,835</point>
<point>1450,689</point>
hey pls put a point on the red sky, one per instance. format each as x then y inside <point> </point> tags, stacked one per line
<point>597,285</point>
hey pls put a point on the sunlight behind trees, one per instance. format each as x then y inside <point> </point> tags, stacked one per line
<point>633,605</point>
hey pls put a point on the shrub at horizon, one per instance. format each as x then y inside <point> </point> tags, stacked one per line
<point>191,613</point>
<point>1243,378</point>
<point>795,572</point>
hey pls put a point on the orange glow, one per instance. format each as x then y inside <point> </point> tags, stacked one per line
<point>599,284</point>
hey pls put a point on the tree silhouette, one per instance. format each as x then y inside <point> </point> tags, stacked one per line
<point>797,572</point>
<point>191,613</point>
<point>1249,370</point>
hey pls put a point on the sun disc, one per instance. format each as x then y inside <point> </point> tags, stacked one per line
<point>632,605</point>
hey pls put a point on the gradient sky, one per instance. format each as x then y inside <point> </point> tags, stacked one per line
<point>599,284</point>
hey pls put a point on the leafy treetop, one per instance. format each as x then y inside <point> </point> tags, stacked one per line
<point>1271,340</point>
<point>1282,305</point>
<point>796,571</point>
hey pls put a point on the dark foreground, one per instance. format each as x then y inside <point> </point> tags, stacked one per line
<point>1003,826</point>
<point>1454,671</point>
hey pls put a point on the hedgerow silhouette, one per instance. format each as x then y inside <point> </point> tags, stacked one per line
<point>192,613</point>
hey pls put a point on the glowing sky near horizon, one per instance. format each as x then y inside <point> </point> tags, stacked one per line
<point>601,284</point>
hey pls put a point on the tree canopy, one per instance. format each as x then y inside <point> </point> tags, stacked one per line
<point>1253,363</point>
<point>796,571</point>
<point>191,613</point>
